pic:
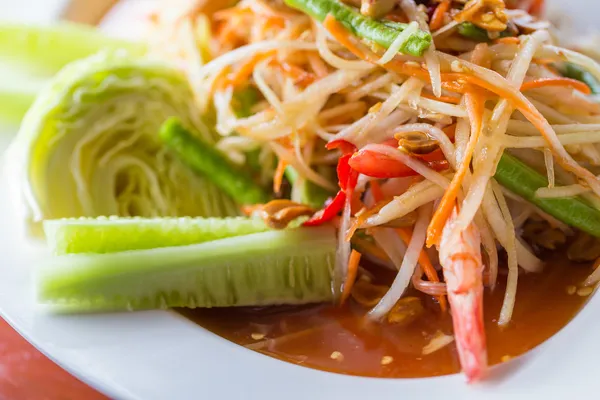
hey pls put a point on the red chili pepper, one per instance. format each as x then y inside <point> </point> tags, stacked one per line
<point>329,212</point>
<point>343,145</point>
<point>378,165</point>
<point>347,179</point>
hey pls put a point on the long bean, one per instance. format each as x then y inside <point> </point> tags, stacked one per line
<point>524,181</point>
<point>472,31</point>
<point>362,26</point>
<point>576,72</point>
<point>204,159</point>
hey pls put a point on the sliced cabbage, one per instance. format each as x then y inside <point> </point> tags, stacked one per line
<point>89,145</point>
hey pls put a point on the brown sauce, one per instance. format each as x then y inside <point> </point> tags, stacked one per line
<point>308,335</point>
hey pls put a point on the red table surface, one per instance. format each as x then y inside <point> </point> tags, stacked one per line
<point>26,374</point>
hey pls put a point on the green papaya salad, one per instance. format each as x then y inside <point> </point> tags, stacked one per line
<point>271,152</point>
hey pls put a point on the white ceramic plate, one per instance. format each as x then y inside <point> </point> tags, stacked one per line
<point>160,355</point>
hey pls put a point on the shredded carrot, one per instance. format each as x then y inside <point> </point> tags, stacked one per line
<point>226,33</point>
<point>475,104</point>
<point>376,191</point>
<point>437,19</point>
<point>508,40</point>
<point>278,177</point>
<point>300,76</point>
<point>543,61</point>
<point>317,65</point>
<point>457,82</point>
<point>245,70</point>
<point>351,276</point>
<point>564,82</point>
<point>343,36</point>
<point>356,203</point>
<point>406,235</point>
<point>445,99</point>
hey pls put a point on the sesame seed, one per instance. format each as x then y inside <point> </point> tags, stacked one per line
<point>585,291</point>
<point>571,289</point>
<point>505,358</point>
<point>386,360</point>
<point>412,64</point>
<point>336,355</point>
<point>258,336</point>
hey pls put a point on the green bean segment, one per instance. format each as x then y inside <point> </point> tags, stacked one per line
<point>524,181</point>
<point>364,27</point>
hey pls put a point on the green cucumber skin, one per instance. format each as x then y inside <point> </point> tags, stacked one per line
<point>277,267</point>
<point>361,26</point>
<point>114,234</point>
<point>203,158</point>
<point>524,181</point>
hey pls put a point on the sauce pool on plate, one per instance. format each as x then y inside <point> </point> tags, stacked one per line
<point>339,339</point>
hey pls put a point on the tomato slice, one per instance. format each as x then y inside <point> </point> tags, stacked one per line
<point>377,165</point>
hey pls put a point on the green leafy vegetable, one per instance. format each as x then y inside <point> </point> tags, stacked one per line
<point>277,267</point>
<point>114,234</point>
<point>524,181</point>
<point>203,158</point>
<point>89,145</point>
<point>364,27</point>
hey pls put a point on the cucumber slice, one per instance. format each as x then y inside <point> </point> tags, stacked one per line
<point>114,234</point>
<point>44,50</point>
<point>277,267</point>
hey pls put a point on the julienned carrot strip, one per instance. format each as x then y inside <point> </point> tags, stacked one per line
<point>300,76</point>
<point>317,65</point>
<point>475,104</point>
<point>245,70</point>
<point>278,177</point>
<point>445,99</point>
<point>406,235</point>
<point>343,36</point>
<point>376,191</point>
<point>508,40</point>
<point>456,82</point>
<point>563,82</point>
<point>351,276</point>
<point>437,19</point>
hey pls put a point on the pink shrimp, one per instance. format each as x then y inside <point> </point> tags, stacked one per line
<point>460,256</point>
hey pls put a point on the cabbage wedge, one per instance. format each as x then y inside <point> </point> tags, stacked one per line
<point>89,145</point>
